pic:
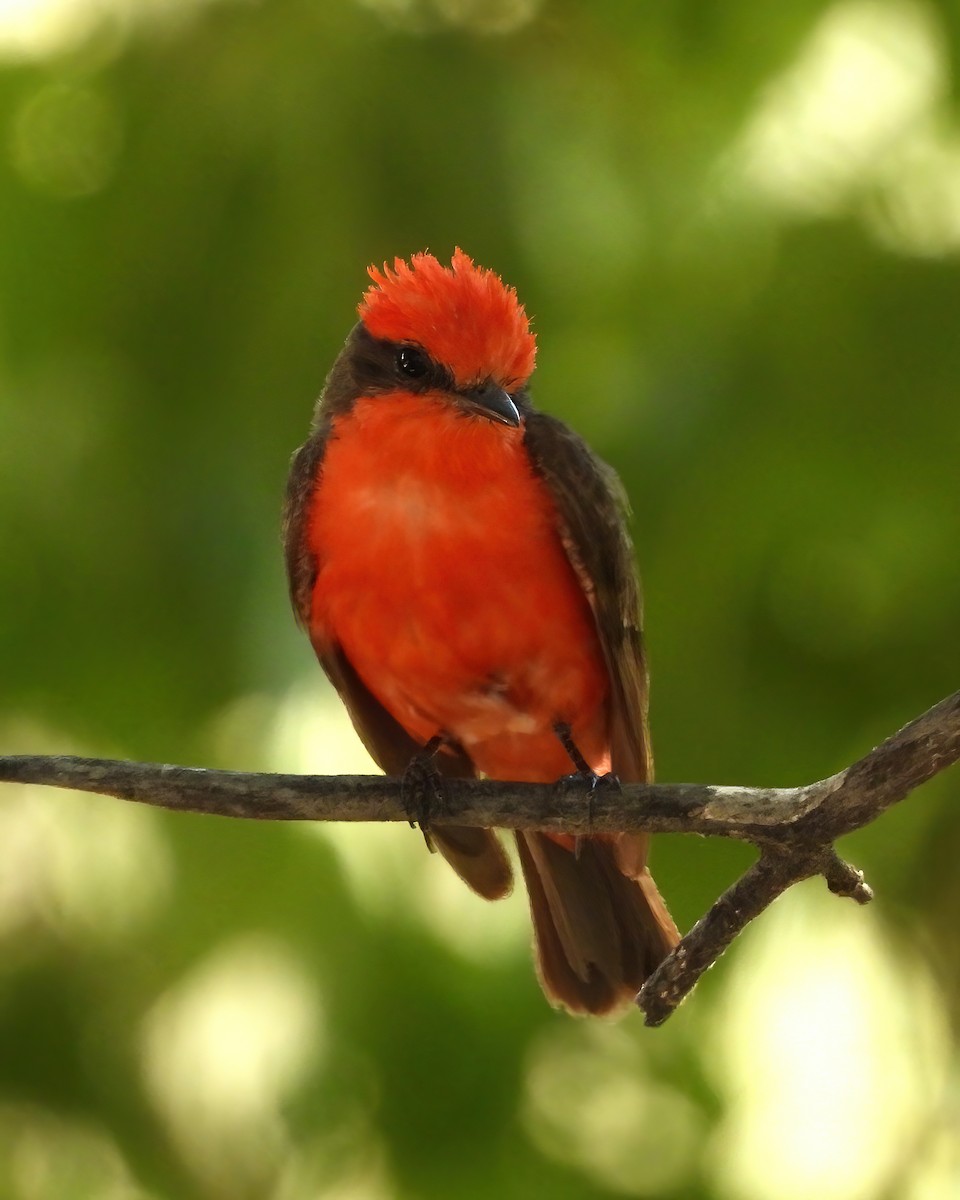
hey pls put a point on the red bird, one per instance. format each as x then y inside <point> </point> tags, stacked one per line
<point>462,566</point>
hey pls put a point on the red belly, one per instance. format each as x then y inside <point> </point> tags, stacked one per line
<point>442,576</point>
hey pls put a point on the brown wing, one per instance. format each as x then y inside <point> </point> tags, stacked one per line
<point>593,509</point>
<point>600,924</point>
<point>475,854</point>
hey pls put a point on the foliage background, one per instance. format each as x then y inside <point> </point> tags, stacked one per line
<point>737,228</point>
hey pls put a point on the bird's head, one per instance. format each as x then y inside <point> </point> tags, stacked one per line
<point>458,330</point>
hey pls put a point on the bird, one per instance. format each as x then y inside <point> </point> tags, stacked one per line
<point>462,565</point>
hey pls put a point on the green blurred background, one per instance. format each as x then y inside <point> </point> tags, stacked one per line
<point>737,228</point>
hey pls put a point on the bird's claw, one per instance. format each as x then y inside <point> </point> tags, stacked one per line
<point>584,775</point>
<point>421,790</point>
<point>590,780</point>
<point>593,783</point>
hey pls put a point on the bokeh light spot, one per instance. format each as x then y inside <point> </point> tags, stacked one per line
<point>82,865</point>
<point>831,1049</point>
<point>478,16</point>
<point>37,29</point>
<point>866,74</point>
<point>591,1102</point>
<point>47,1157</point>
<point>859,122</point>
<point>66,139</point>
<point>224,1048</point>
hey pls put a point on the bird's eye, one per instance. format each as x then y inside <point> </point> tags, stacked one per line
<point>412,362</point>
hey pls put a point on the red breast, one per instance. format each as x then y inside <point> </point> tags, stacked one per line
<point>442,575</point>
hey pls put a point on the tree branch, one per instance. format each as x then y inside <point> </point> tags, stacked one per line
<point>794,828</point>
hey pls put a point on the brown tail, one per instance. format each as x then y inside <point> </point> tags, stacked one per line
<point>478,858</point>
<point>599,932</point>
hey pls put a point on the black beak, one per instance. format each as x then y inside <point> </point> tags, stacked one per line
<point>491,401</point>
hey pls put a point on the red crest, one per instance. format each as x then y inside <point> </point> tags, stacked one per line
<point>464,316</point>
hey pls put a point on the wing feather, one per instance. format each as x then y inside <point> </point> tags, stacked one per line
<point>592,511</point>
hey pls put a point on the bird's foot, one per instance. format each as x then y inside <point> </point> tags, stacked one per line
<point>591,783</point>
<point>421,788</point>
<point>584,776</point>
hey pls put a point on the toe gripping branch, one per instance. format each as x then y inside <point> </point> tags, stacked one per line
<point>584,775</point>
<point>421,789</point>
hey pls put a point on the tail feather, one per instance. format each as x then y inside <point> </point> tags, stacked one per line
<point>477,856</point>
<point>598,932</point>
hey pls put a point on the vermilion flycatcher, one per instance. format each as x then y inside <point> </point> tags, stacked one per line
<point>462,566</point>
